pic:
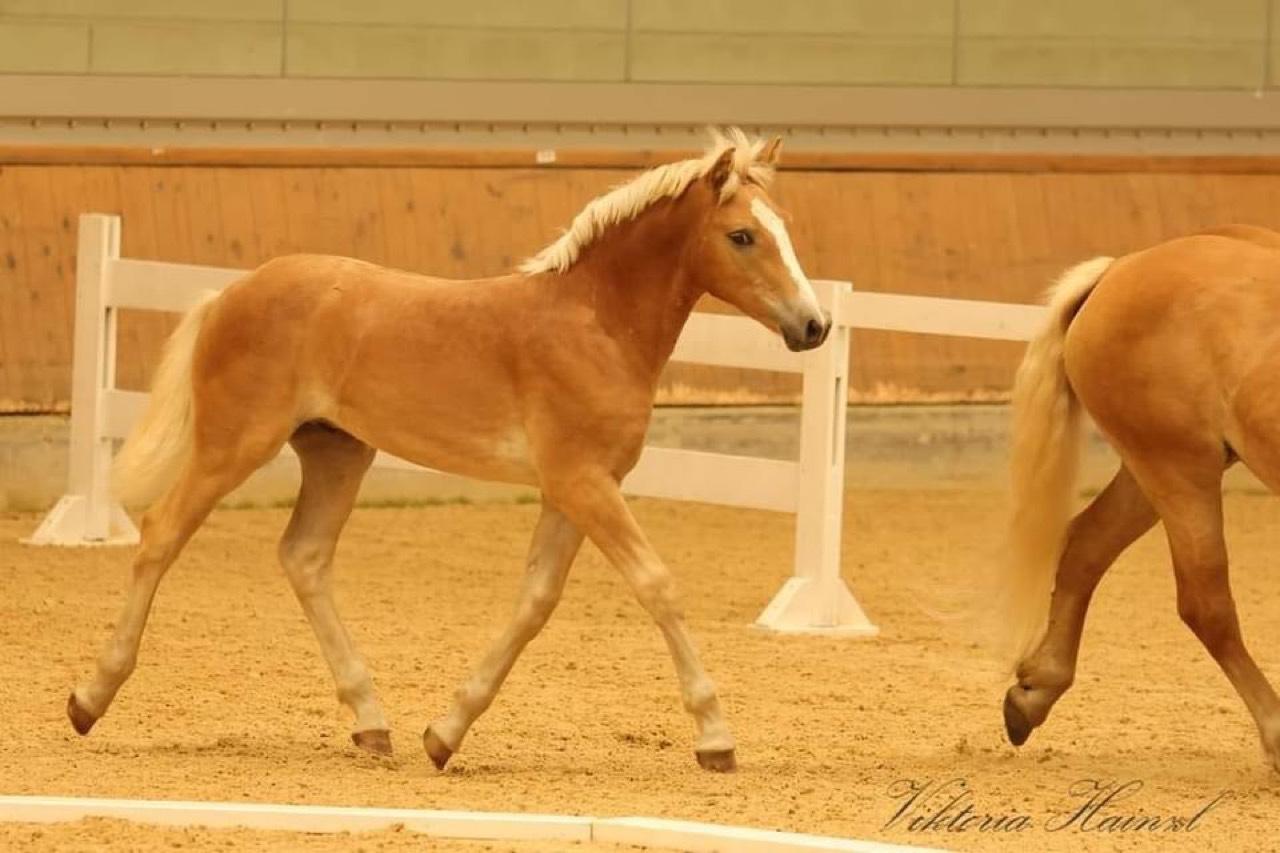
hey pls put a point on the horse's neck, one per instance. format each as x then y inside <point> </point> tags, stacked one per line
<point>641,290</point>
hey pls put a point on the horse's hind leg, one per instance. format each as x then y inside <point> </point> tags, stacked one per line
<point>1115,518</point>
<point>207,477</point>
<point>1188,495</point>
<point>333,464</point>
<point>1256,412</point>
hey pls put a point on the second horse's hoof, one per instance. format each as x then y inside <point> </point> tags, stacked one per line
<point>717,760</point>
<point>1016,724</point>
<point>437,750</point>
<point>377,741</point>
<point>81,720</point>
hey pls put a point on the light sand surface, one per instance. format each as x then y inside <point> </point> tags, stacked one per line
<point>231,700</point>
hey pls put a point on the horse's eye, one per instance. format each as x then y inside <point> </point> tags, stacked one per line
<point>741,238</point>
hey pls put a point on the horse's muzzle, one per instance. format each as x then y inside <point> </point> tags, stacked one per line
<point>806,333</point>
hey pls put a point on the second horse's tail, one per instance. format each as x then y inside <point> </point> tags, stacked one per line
<point>1044,459</point>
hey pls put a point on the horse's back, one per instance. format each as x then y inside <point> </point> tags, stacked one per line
<point>1169,332</point>
<point>1232,271</point>
<point>291,330</point>
<point>418,366</point>
<point>1255,234</point>
<point>331,297</point>
<point>287,300</point>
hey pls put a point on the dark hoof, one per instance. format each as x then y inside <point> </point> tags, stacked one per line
<point>1016,724</point>
<point>377,741</point>
<point>437,750</point>
<point>81,720</point>
<point>717,760</point>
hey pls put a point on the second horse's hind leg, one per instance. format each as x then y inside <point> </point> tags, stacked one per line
<point>1115,518</point>
<point>333,464</point>
<point>1204,597</point>
<point>1190,504</point>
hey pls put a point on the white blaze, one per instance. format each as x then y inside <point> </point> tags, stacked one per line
<point>774,225</point>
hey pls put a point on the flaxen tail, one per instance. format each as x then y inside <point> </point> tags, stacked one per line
<point>159,445</point>
<point>1044,458</point>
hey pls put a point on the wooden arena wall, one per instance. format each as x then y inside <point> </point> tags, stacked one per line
<point>983,227</point>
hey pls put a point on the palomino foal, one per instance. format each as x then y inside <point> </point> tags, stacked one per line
<point>1175,352</point>
<point>545,377</point>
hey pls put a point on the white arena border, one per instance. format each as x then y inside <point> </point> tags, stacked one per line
<point>815,600</point>
<point>690,836</point>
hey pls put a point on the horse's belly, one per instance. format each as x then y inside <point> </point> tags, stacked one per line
<point>502,458</point>
<point>449,442</point>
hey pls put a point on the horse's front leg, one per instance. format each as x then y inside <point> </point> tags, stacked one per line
<point>594,502</point>
<point>555,543</point>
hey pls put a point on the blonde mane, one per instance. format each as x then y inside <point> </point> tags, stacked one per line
<point>627,201</point>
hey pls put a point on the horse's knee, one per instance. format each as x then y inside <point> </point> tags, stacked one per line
<point>656,593</point>
<point>540,600</point>
<point>154,557</point>
<point>1211,616</point>
<point>1083,563</point>
<point>304,564</point>
<point>157,548</point>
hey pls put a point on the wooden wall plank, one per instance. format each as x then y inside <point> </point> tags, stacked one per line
<point>1000,235</point>
<point>25,384</point>
<point>398,209</point>
<point>13,397</point>
<point>47,346</point>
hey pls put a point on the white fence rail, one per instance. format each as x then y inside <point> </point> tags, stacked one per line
<point>814,600</point>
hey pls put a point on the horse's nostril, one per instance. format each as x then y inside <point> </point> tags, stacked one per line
<point>812,331</point>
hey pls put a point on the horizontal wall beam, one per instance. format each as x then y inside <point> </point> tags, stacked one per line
<point>688,475</point>
<point>929,315</point>
<point>160,286</point>
<point>718,340</point>
<point>715,478</point>
<point>72,96</point>
<point>120,411</point>
<point>419,156</point>
<point>732,340</point>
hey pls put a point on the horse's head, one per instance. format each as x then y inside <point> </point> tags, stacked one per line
<point>745,256</point>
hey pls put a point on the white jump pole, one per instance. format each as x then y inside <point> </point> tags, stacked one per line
<point>816,600</point>
<point>87,514</point>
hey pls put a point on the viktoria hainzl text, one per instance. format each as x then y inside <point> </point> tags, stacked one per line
<point>1090,805</point>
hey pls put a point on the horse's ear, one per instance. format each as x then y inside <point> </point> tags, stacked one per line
<point>772,152</point>
<point>720,170</point>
